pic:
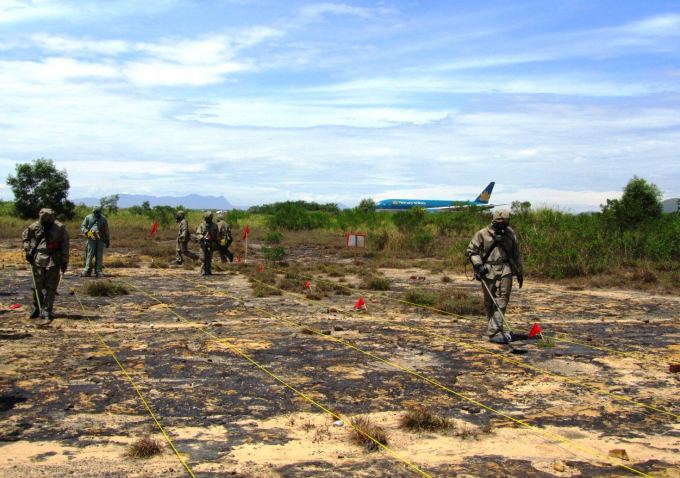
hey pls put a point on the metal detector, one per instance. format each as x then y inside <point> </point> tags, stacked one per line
<point>37,293</point>
<point>496,304</point>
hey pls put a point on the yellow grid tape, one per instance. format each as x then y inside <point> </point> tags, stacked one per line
<point>482,349</point>
<point>134,385</point>
<point>275,377</point>
<point>416,374</point>
<point>368,293</point>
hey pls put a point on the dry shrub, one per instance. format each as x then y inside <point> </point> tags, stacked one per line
<point>644,275</point>
<point>369,429</point>
<point>422,419</point>
<point>145,447</point>
<point>452,301</point>
<point>292,284</point>
<point>313,295</point>
<point>263,290</point>
<point>103,288</point>
<point>120,262</point>
<point>307,331</point>
<point>446,279</point>
<point>376,283</point>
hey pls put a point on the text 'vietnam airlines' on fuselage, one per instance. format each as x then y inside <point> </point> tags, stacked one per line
<point>437,205</point>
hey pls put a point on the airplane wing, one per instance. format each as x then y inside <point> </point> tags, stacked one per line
<point>461,206</point>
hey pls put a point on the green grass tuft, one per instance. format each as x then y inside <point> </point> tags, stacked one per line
<point>103,288</point>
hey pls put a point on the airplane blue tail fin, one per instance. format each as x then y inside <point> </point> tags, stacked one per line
<point>486,194</point>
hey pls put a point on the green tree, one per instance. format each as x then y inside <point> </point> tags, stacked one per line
<point>640,202</point>
<point>367,204</point>
<point>110,203</point>
<point>39,184</point>
<point>520,208</point>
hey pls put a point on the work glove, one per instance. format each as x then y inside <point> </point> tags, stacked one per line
<point>480,271</point>
<point>29,256</point>
<point>64,266</point>
<point>520,281</point>
<point>107,243</point>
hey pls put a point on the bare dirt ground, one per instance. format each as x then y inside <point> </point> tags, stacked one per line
<point>67,409</point>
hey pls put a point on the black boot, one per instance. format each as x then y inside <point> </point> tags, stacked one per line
<point>35,314</point>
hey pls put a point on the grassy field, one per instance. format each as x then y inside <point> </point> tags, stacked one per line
<point>581,250</point>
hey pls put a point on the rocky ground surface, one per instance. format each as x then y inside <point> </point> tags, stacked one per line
<point>237,382</point>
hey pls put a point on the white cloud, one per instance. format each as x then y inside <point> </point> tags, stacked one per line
<point>75,46</point>
<point>13,11</point>
<point>317,11</point>
<point>284,114</point>
<point>155,73</point>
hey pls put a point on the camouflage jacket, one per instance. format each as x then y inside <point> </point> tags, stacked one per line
<point>208,234</point>
<point>503,259</point>
<point>225,233</point>
<point>96,228</point>
<point>183,235</point>
<point>52,246</point>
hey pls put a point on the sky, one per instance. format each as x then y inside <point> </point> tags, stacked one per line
<point>559,103</point>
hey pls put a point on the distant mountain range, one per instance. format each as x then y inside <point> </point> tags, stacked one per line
<point>670,205</point>
<point>192,201</point>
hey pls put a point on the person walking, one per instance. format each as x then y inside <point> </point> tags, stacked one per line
<point>207,236</point>
<point>47,246</point>
<point>183,238</point>
<point>96,228</point>
<point>225,239</point>
<point>495,255</point>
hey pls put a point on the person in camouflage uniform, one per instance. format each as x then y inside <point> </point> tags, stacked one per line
<point>495,255</point>
<point>96,228</point>
<point>46,244</point>
<point>225,239</point>
<point>207,235</point>
<point>183,238</point>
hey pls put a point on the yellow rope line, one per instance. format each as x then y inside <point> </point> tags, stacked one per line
<point>275,377</point>
<point>370,294</point>
<point>482,349</point>
<point>416,374</point>
<point>134,385</point>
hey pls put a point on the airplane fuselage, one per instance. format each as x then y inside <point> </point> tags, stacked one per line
<point>436,205</point>
<point>405,204</point>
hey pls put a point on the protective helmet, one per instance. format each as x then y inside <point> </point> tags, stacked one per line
<point>46,215</point>
<point>501,216</point>
<point>208,215</point>
<point>220,217</point>
<point>97,209</point>
<point>180,214</point>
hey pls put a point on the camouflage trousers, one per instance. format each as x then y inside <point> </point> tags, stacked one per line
<point>225,254</point>
<point>95,250</point>
<point>182,248</point>
<point>47,279</point>
<point>206,259</point>
<point>500,287</point>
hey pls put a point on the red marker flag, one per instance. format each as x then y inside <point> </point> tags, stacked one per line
<point>534,330</point>
<point>239,259</point>
<point>360,303</point>
<point>15,306</point>
<point>245,232</point>
<point>259,268</point>
<point>307,284</point>
<point>154,228</point>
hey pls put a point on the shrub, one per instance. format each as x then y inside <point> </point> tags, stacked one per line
<point>274,254</point>
<point>422,419</point>
<point>145,448</point>
<point>273,237</point>
<point>369,428</point>
<point>376,283</point>
<point>99,288</point>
